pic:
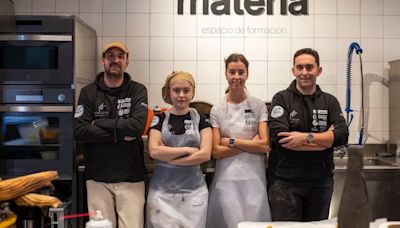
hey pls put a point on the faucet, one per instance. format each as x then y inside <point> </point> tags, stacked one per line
<point>387,152</point>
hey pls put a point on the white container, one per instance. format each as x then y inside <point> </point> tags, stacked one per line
<point>99,222</point>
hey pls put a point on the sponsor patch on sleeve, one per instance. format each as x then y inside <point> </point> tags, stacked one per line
<point>154,121</point>
<point>277,111</point>
<point>79,111</point>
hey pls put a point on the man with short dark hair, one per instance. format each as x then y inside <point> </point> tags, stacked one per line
<point>110,119</point>
<point>305,124</point>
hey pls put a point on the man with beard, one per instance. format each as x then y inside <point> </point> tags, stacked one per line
<point>110,119</point>
<point>305,124</point>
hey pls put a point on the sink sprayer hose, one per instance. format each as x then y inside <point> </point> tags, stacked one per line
<point>354,46</point>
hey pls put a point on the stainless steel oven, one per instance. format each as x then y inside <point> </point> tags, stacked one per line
<point>35,59</point>
<point>44,61</point>
<point>36,51</point>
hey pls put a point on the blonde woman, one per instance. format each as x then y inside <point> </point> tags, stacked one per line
<point>180,140</point>
<point>240,141</point>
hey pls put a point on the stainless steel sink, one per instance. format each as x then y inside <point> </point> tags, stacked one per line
<point>369,163</point>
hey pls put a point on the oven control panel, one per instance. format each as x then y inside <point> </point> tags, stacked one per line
<point>39,95</point>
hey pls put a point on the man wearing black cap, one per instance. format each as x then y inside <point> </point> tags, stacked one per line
<point>110,119</point>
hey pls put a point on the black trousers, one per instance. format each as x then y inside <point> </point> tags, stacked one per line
<point>296,203</point>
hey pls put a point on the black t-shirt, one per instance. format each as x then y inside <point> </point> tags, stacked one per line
<point>177,122</point>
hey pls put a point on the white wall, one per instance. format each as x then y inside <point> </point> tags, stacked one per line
<point>160,41</point>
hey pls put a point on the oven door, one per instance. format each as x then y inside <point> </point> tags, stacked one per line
<point>36,138</point>
<point>36,59</point>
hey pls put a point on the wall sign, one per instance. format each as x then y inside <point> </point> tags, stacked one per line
<point>252,7</point>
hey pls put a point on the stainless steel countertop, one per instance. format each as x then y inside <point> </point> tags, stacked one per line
<point>393,163</point>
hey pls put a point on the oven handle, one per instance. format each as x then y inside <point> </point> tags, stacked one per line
<point>36,108</point>
<point>35,37</point>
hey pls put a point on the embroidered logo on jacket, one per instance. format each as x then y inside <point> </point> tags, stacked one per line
<point>293,117</point>
<point>101,111</point>
<point>79,111</point>
<point>277,111</point>
<point>320,120</point>
<point>124,107</point>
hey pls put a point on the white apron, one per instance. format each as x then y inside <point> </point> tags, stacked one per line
<point>238,191</point>
<point>178,195</point>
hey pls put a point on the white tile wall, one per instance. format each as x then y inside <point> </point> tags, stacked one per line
<point>348,26</point>
<point>391,27</point>
<point>209,93</point>
<point>161,48</point>
<point>258,72</point>
<point>325,7</point>
<point>391,49</point>
<point>91,6</point>
<point>185,48</point>
<point>204,47</point>
<point>349,7</point>
<point>373,49</point>
<point>63,6</point>
<point>298,43</point>
<point>279,49</point>
<point>137,6</point>
<point>327,48</point>
<point>329,74</point>
<point>139,48</point>
<point>138,25</point>
<point>279,73</point>
<point>114,6</point>
<point>256,48</point>
<point>332,89</point>
<point>326,25</point>
<point>159,71</point>
<point>139,71</point>
<point>22,6</point>
<point>303,26</point>
<point>257,90</point>
<point>114,24</point>
<point>185,25</point>
<point>43,6</point>
<point>189,66</point>
<point>231,45</point>
<point>160,41</point>
<point>372,7</point>
<point>390,7</point>
<point>371,26</point>
<point>208,72</point>
<point>162,6</point>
